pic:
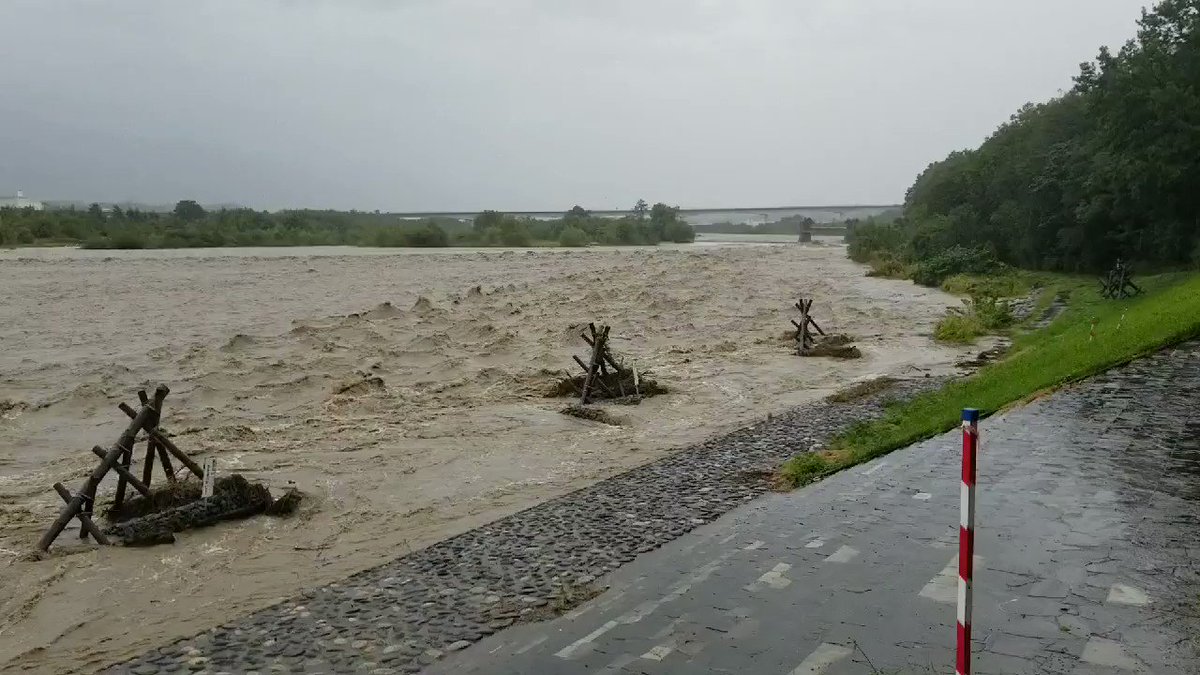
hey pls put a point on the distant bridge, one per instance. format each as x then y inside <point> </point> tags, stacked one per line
<point>740,214</point>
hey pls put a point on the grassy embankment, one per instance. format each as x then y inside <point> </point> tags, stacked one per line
<point>1039,361</point>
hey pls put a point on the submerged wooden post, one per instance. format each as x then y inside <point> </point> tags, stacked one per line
<point>804,337</point>
<point>598,341</point>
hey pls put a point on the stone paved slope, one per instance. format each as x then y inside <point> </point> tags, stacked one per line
<point>403,615</point>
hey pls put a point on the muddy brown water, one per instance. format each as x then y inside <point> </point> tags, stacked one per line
<point>400,390</point>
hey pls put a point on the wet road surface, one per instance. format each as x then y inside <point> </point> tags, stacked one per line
<point>1087,543</point>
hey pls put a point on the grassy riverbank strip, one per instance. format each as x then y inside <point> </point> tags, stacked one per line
<point>1091,336</point>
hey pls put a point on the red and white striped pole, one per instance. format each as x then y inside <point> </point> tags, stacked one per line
<point>966,537</point>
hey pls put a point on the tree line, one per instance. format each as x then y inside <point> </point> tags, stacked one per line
<point>190,225</point>
<point>1109,169</point>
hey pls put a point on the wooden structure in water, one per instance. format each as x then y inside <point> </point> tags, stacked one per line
<point>119,458</point>
<point>598,365</point>
<point>805,339</point>
<point>806,231</point>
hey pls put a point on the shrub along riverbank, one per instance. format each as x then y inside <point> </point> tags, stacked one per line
<point>192,226</point>
<point>1038,361</point>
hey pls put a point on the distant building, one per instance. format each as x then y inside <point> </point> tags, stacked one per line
<point>20,202</point>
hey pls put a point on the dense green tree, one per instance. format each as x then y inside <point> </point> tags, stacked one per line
<point>577,212</point>
<point>186,227</point>
<point>1106,170</point>
<point>513,232</point>
<point>572,236</point>
<point>640,209</point>
<point>488,220</point>
<point>189,211</point>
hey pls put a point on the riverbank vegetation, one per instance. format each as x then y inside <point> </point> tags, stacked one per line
<point>189,225</point>
<point>1105,171</point>
<point>791,225</point>
<point>1091,336</point>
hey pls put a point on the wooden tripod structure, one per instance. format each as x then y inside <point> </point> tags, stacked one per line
<point>804,338</point>
<point>598,366</point>
<point>1118,283</point>
<point>118,458</point>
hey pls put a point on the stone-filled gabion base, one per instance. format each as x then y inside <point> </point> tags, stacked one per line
<point>402,615</point>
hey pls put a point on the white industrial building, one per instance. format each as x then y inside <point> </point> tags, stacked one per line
<point>20,202</point>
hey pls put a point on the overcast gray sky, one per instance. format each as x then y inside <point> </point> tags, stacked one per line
<point>519,104</point>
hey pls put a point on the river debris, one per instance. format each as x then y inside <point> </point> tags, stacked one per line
<point>811,340</point>
<point>592,414</point>
<point>604,377</point>
<point>233,498</point>
<point>156,513</point>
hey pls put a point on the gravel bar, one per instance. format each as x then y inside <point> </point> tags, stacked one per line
<point>407,613</point>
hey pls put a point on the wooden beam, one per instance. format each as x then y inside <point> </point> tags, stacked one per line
<point>164,459</point>
<point>125,473</point>
<point>85,520</point>
<point>607,355</point>
<point>597,349</point>
<point>148,463</point>
<point>158,435</point>
<point>814,325</point>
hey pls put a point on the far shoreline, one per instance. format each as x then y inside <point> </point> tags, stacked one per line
<point>75,251</point>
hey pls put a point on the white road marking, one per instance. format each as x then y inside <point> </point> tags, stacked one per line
<point>815,543</point>
<point>569,651</point>
<point>576,613</point>
<point>646,608</point>
<point>842,555</point>
<point>875,468</point>
<point>667,630</point>
<point>619,663</point>
<point>1101,652</point>
<point>822,657</point>
<point>773,578</point>
<point>659,652</point>
<point>923,496</point>
<point>754,545</point>
<point>1121,594</point>
<point>532,644</point>
<point>944,586</point>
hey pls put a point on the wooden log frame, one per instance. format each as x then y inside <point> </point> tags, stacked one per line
<point>159,437</point>
<point>1118,283</point>
<point>119,458</point>
<point>805,339</point>
<point>122,467</point>
<point>599,342</point>
<point>598,365</point>
<point>88,491</point>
